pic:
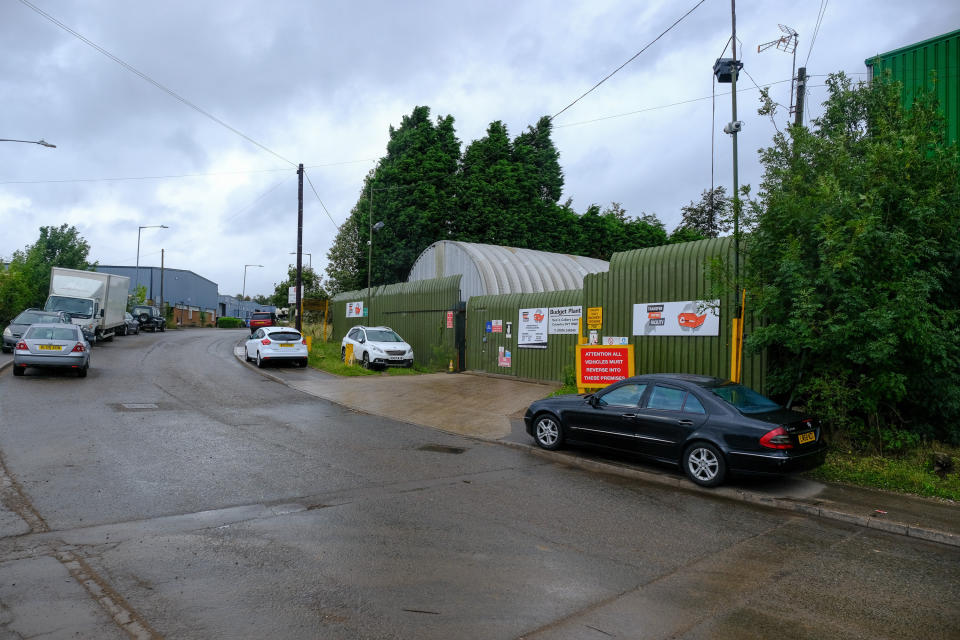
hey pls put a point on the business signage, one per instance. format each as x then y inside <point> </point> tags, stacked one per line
<point>595,318</point>
<point>564,320</point>
<point>687,318</point>
<point>532,329</point>
<point>355,310</point>
<point>599,365</point>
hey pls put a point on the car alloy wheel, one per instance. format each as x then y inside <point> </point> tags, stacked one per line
<point>260,361</point>
<point>547,433</point>
<point>366,361</point>
<point>704,464</point>
<point>343,354</point>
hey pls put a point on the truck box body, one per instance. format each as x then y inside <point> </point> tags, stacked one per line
<point>96,301</point>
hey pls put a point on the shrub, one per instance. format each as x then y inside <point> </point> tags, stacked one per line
<point>226,322</point>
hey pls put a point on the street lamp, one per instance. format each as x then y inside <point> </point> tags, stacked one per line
<point>139,229</point>
<point>41,142</point>
<point>243,294</point>
<point>309,255</point>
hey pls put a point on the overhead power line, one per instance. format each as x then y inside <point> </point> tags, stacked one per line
<point>635,56</point>
<point>816,29</point>
<point>320,201</point>
<point>144,76</point>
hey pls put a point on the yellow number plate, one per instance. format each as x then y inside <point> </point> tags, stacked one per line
<point>50,347</point>
<point>809,436</point>
<point>286,344</point>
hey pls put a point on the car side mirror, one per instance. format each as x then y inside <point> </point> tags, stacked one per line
<point>592,400</point>
<point>101,312</point>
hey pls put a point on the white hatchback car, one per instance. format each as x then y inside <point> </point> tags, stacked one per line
<point>377,346</point>
<point>276,344</point>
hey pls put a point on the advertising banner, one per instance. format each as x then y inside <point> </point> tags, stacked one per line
<point>354,309</point>
<point>564,320</point>
<point>532,329</point>
<point>687,318</point>
<point>598,366</point>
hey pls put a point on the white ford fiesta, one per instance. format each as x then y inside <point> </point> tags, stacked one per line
<point>276,344</point>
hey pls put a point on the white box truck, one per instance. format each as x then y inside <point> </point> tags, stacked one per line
<point>95,301</point>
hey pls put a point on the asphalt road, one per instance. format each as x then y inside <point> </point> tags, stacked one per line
<point>177,493</point>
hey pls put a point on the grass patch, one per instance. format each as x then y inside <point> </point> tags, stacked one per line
<point>326,357</point>
<point>910,472</point>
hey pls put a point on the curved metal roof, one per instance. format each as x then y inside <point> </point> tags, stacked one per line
<point>492,270</point>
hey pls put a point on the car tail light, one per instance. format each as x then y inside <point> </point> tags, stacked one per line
<point>776,439</point>
<point>304,341</point>
<point>265,341</point>
<point>22,346</point>
<point>78,348</point>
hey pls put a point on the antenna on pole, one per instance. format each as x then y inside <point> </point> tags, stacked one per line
<point>788,44</point>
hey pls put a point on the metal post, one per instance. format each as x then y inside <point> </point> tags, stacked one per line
<point>136,288</point>
<point>370,249</point>
<point>299,248</point>
<point>161,282</point>
<point>801,90</point>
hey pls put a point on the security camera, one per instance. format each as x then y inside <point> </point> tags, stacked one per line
<point>733,127</point>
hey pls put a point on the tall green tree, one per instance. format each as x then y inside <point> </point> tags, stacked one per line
<point>26,280</point>
<point>312,287</point>
<point>853,265</point>
<point>711,217</point>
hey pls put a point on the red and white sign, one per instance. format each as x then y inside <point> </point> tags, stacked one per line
<point>449,319</point>
<point>598,366</point>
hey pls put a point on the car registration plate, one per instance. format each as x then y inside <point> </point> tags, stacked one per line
<point>809,436</point>
<point>49,347</point>
<point>286,344</point>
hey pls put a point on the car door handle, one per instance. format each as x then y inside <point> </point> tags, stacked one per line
<point>686,423</point>
<point>628,415</point>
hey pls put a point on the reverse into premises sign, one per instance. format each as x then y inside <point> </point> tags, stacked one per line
<point>598,366</point>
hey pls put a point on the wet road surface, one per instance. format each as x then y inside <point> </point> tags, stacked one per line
<point>176,493</point>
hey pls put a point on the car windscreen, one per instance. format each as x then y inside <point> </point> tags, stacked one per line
<point>77,307</point>
<point>141,310</point>
<point>50,333</point>
<point>32,317</point>
<point>383,335</point>
<point>745,399</point>
<point>284,336</point>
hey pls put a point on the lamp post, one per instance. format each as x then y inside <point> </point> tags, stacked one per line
<point>139,229</point>
<point>309,256</point>
<point>41,142</point>
<point>243,294</point>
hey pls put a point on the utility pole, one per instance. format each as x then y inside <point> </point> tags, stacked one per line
<point>299,246</point>
<point>734,130</point>
<point>370,248</point>
<point>801,90</point>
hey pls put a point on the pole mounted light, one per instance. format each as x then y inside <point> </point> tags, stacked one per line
<point>309,257</point>
<point>139,229</point>
<point>243,293</point>
<point>41,142</point>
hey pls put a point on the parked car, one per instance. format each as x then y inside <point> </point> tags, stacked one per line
<point>149,318</point>
<point>708,426</point>
<point>52,345</point>
<point>13,331</point>
<point>377,346</point>
<point>262,319</point>
<point>130,325</point>
<point>276,344</point>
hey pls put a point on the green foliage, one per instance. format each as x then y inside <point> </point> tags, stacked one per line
<point>853,265</point>
<point>227,322</point>
<point>312,287</point>
<point>709,218</point>
<point>139,295</point>
<point>26,280</point>
<point>907,473</point>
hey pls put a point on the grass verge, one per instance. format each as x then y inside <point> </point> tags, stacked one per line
<point>910,472</point>
<point>326,357</point>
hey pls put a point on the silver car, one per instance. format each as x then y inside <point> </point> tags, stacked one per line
<point>55,346</point>
<point>377,347</point>
<point>276,344</point>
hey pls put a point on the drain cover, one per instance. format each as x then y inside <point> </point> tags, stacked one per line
<point>439,448</point>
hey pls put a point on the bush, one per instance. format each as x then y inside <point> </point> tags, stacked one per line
<point>227,322</point>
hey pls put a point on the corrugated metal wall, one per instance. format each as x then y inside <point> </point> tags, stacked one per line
<point>912,65</point>
<point>415,310</point>
<point>668,274</point>
<point>539,364</point>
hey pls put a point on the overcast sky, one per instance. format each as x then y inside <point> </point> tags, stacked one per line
<point>321,83</point>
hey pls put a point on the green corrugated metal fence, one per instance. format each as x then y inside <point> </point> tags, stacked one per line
<point>483,349</point>
<point>669,273</point>
<point>416,310</point>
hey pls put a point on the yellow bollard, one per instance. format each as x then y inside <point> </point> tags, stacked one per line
<point>309,340</point>
<point>348,355</point>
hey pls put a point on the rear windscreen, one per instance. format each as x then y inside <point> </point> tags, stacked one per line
<point>31,317</point>
<point>284,336</point>
<point>51,333</point>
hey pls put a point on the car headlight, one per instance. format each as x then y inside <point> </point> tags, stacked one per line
<point>376,348</point>
<point>7,333</point>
